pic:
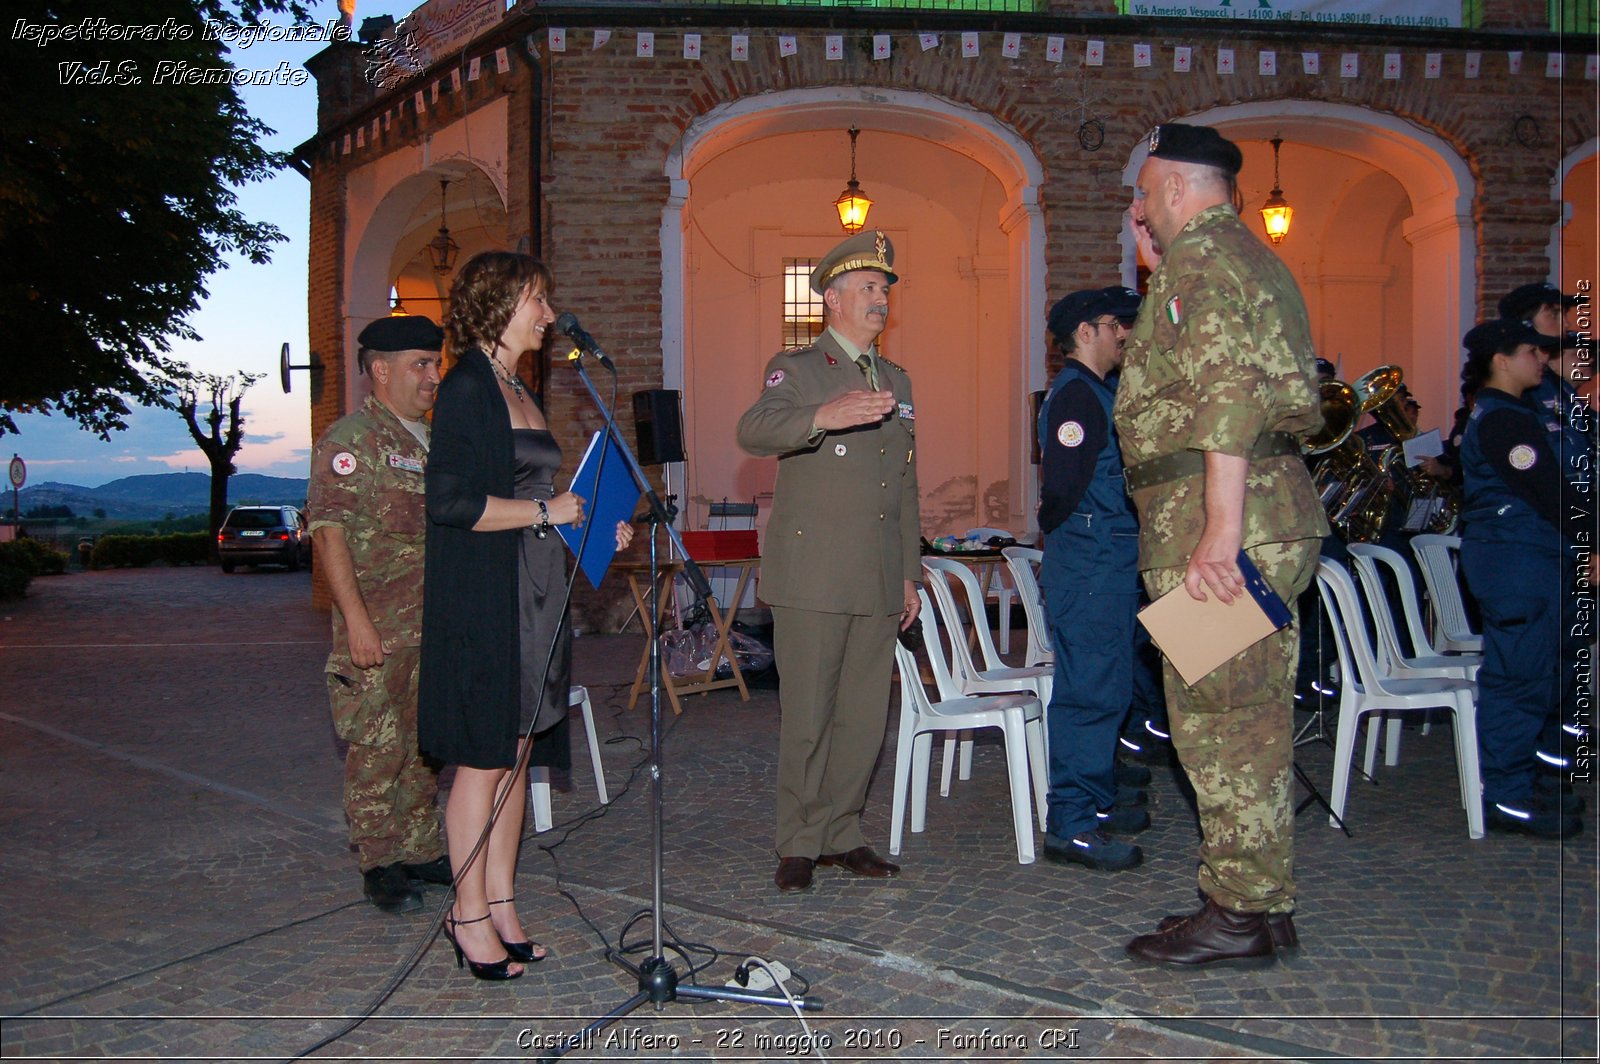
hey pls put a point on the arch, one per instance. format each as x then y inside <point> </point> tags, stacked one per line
<point>1440,230</point>
<point>977,136</point>
<point>1560,249</point>
<point>394,231</point>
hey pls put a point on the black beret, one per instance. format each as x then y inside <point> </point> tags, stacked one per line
<point>407,332</point>
<point>1195,144</point>
<point>1522,302</point>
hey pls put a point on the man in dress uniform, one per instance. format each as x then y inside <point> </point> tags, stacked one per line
<point>841,559</point>
<point>1090,582</point>
<point>1217,390</point>
<point>368,520</point>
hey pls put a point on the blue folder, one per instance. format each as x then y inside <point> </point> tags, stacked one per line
<point>609,495</point>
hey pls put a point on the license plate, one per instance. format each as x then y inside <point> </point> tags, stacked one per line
<point>253,532</point>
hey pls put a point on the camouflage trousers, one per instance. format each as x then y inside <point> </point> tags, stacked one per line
<point>389,788</point>
<point>1233,733</point>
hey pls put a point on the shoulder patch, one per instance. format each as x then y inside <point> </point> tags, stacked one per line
<point>1175,309</point>
<point>344,463</point>
<point>1522,457</point>
<point>775,378</point>
<point>1070,434</point>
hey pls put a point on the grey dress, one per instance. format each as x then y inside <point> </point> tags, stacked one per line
<point>541,583</point>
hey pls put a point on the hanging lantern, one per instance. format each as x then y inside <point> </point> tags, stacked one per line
<point>1276,213</point>
<point>853,204</point>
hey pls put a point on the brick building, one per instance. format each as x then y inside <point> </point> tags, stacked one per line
<point>673,163</point>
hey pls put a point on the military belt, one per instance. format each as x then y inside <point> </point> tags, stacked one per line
<point>1191,463</point>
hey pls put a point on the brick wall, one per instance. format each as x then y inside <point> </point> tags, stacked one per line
<point>611,118</point>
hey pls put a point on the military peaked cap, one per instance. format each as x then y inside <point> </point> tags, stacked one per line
<point>864,251</point>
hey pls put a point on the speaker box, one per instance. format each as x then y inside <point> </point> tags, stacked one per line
<point>658,421</point>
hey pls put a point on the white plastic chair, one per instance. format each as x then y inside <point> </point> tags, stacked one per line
<point>1020,718</point>
<point>539,775</point>
<point>1428,663</point>
<point>1436,555</point>
<point>1367,689</point>
<point>998,586</point>
<point>1024,565</point>
<point>995,676</point>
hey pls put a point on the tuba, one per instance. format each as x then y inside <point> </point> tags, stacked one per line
<point>1382,399</point>
<point>1347,480</point>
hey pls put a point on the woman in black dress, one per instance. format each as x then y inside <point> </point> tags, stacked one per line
<point>494,577</point>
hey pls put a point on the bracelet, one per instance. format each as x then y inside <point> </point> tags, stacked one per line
<point>542,529</point>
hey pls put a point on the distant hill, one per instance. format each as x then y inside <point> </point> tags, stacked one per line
<point>153,496</point>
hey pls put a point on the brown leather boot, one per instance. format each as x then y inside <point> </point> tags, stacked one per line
<point>1279,925</point>
<point>1213,935</point>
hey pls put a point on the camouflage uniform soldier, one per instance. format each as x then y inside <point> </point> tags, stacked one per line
<point>368,519</point>
<point>1217,389</point>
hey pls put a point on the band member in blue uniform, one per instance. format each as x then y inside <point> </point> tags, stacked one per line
<point>1090,581</point>
<point>1518,534</point>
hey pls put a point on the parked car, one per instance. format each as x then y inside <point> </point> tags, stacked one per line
<point>264,535</point>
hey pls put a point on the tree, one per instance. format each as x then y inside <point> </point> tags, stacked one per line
<point>116,199</point>
<point>220,445</point>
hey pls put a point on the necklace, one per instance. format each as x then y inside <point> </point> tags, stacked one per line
<point>512,382</point>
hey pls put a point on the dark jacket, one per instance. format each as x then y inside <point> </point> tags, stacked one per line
<point>469,694</point>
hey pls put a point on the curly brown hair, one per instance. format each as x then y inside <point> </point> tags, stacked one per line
<point>485,296</point>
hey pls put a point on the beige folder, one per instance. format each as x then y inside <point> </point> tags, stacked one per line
<point>1198,637</point>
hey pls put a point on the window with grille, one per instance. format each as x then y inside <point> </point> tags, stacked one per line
<point>802,308</point>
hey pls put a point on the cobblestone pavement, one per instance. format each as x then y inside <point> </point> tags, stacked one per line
<point>178,885</point>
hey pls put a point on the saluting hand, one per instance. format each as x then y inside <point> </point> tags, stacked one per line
<point>854,408</point>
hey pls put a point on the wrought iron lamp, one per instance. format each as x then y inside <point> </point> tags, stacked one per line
<point>441,249</point>
<point>853,204</point>
<point>397,309</point>
<point>1276,212</point>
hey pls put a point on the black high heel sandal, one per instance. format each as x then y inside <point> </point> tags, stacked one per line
<point>494,971</point>
<point>522,952</point>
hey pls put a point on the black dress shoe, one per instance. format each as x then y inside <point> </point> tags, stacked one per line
<point>1279,925</point>
<point>388,889</point>
<point>434,871</point>
<point>862,862</point>
<point>1213,935</point>
<point>794,873</point>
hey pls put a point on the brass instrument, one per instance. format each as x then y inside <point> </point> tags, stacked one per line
<point>1381,397</point>
<point>1347,480</point>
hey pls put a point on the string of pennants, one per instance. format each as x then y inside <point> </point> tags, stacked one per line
<point>1011,47</point>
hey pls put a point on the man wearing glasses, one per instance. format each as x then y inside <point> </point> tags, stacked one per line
<point>1090,581</point>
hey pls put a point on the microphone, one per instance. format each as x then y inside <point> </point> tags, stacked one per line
<point>567,325</point>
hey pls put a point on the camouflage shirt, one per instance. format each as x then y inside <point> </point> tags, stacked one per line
<point>1221,353</point>
<point>366,478</point>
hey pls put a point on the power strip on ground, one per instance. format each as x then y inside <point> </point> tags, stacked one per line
<point>760,980</point>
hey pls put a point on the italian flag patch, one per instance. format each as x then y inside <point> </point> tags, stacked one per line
<point>1175,309</point>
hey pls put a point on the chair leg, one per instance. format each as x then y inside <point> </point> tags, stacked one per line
<point>1391,742</point>
<point>539,796</point>
<point>1037,762</point>
<point>1017,770</point>
<point>1374,728</point>
<point>1344,742</point>
<point>902,783</point>
<point>921,753</point>
<point>1003,599</point>
<point>947,762</point>
<point>966,755</point>
<point>1466,730</point>
<point>580,698</point>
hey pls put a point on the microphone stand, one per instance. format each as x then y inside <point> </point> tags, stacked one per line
<point>657,979</point>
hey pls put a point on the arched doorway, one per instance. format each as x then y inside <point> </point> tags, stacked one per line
<point>1383,240</point>
<point>752,188</point>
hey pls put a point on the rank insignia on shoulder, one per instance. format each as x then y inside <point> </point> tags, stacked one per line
<point>831,360</point>
<point>400,461</point>
<point>907,413</point>
<point>891,365</point>
<point>839,449</point>
<point>1175,309</point>
<point>775,378</point>
<point>344,463</point>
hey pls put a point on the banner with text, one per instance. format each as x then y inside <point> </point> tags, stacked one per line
<point>1423,14</point>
